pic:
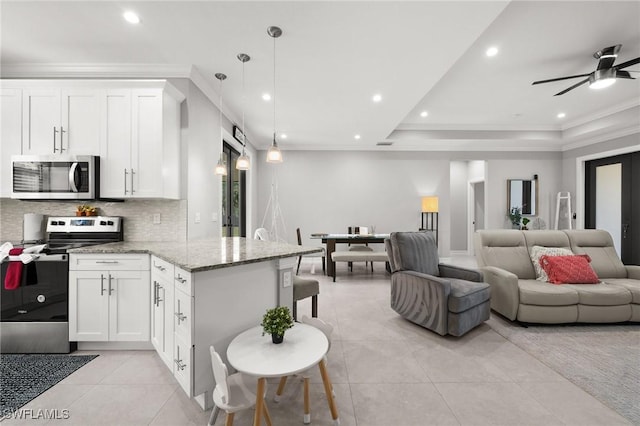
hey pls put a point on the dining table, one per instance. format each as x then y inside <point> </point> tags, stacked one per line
<point>330,240</point>
<point>253,353</point>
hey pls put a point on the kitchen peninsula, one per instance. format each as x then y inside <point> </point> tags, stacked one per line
<point>181,296</point>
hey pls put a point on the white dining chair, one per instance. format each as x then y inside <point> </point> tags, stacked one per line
<point>233,392</point>
<point>327,329</point>
<point>261,234</point>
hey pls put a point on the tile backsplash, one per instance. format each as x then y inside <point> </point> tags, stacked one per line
<point>138,217</point>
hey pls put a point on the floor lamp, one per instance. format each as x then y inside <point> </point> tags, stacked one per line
<point>430,215</point>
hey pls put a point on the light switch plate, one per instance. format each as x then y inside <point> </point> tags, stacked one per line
<point>286,279</point>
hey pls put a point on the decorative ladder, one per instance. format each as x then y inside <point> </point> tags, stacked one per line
<point>567,205</point>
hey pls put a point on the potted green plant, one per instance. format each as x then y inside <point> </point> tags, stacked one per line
<point>275,322</point>
<point>515,216</point>
<point>525,221</point>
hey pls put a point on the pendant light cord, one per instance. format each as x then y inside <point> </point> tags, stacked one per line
<point>274,90</point>
<point>244,136</point>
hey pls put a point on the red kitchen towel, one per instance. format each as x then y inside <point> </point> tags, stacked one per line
<point>14,271</point>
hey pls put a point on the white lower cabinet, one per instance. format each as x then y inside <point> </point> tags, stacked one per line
<point>162,309</point>
<point>109,305</point>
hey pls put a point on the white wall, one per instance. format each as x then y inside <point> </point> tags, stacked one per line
<point>459,182</point>
<point>549,171</point>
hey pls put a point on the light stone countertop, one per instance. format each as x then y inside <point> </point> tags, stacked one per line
<point>204,255</point>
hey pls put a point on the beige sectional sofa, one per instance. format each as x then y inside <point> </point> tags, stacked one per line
<point>504,258</point>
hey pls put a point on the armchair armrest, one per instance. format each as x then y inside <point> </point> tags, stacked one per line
<point>421,299</point>
<point>505,293</point>
<point>450,271</point>
<point>633,272</point>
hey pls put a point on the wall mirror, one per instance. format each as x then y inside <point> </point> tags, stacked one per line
<point>523,194</point>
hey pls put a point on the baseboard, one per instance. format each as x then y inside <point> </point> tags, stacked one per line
<point>114,346</point>
<point>459,252</point>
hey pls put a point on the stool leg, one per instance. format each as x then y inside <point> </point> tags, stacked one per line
<point>324,270</point>
<point>314,306</point>
<point>267,416</point>
<point>295,310</point>
<point>229,421</point>
<point>214,415</point>
<point>299,260</point>
<point>307,406</point>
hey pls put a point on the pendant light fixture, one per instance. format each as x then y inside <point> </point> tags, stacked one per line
<point>274,155</point>
<point>221,167</point>
<point>243,162</point>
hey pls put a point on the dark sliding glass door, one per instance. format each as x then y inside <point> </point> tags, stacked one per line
<point>234,189</point>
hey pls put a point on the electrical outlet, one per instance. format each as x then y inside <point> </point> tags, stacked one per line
<point>156,218</point>
<point>197,217</point>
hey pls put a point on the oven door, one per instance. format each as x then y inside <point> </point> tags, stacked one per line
<point>43,294</point>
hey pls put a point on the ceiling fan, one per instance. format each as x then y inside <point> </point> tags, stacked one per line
<point>604,75</point>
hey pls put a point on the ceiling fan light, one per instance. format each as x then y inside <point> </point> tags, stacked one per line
<point>601,84</point>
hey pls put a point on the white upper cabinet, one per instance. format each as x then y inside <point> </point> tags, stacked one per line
<point>140,152</point>
<point>61,121</point>
<point>10,135</point>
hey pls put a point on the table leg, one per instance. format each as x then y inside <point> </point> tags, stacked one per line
<point>329,391</point>
<point>331,247</point>
<point>257,418</point>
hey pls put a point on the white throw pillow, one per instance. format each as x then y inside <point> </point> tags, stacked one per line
<point>538,251</point>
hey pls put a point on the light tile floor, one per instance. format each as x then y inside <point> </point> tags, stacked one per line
<point>386,371</point>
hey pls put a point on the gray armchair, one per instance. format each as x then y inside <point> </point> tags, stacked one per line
<point>442,298</point>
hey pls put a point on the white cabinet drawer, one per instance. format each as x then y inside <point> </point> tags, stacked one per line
<point>182,280</point>
<point>161,269</point>
<point>110,262</point>
<point>182,364</point>
<point>183,316</point>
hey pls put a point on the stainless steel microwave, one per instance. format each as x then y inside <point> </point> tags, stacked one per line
<point>55,177</point>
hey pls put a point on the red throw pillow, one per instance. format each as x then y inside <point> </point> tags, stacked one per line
<point>573,269</point>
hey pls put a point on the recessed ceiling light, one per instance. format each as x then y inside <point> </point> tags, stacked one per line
<point>561,115</point>
<point>492,51</point>
<point>424,114</point>
<point>131,17</point>
<point>283,136</point>
<point>266,96</point>
<point>356,137</point>
<point>377,97</point>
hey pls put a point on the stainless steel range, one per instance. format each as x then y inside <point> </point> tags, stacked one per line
<point>35,302</point>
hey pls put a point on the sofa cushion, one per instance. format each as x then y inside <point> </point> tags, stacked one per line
<point>505,249</point>
<point>536,252</point>
<point>572,269</point>
<point>415,251</point>
<point>534,292</point>
<point>467,294</point>
<point>632,285</point>
<point>602,294</point>
<point>598,244</point>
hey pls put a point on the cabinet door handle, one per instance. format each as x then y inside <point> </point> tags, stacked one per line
<point>178,361</point>
<point>107,261</point>
<point>125,181</point>
<point>155,293</point>
<point>54,139</point>
<point>110,288</point>
<point>101,285</point>
<point>160,267</point>
<point>62,132</point>
<point>180,279</point>
<point>160,299</point>
<point>180,315</point>
<point>132,173</point>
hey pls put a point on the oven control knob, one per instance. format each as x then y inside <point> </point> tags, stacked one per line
<point>41,298</point>
<point>54,222</point>
<point>61,222</point>
<point>109,222</point>
<point>102,222</point>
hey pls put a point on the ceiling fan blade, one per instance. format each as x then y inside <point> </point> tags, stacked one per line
<point>560,78</point>
<point>624,74</point>
<point>627,64</point>
<point>572,87</point>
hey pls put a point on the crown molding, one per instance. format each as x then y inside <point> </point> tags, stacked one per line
<point>601,114</point>
<point>609,135</point>
<point>480,127</point>
<point>95,71</point>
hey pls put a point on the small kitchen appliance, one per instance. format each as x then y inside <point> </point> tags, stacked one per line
<point>35,315</point>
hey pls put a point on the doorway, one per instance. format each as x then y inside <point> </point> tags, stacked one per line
<point>476,212</point>
<point>612,202</point>
<point>234,198</point>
